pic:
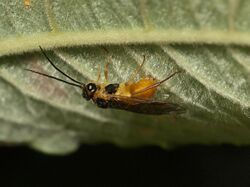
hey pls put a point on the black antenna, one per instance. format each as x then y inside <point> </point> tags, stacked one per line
<point>57,67</point>
<point>43,74</point>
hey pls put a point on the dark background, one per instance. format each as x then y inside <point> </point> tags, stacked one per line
<point>105,164</point>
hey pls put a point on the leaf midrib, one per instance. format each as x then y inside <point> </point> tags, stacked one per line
<point>18,44</point>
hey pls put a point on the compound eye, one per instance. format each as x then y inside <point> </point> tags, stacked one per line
<point>91,87</point>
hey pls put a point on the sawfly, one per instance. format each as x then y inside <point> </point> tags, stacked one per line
<point>134,96</point>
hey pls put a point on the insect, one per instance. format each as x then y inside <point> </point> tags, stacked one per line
<point>27,3</point>
<point>134,96</point>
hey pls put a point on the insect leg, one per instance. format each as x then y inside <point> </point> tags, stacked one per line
<point>137,70</point>
<point>106,65</point>
<point>99,73</point>
<point>106,71</point>
<point>155,84</point>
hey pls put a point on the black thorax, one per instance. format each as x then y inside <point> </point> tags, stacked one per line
<point>111,88</point>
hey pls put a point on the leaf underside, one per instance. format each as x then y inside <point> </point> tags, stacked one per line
<point>208,40</point>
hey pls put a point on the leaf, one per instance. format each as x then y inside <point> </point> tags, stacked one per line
<point>208,40</point>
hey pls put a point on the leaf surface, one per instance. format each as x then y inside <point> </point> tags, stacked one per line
<point>208,40</point>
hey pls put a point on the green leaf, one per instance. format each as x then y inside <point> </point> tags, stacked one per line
<point>208,40</point>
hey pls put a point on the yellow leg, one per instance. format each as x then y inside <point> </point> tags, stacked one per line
<point>137,70</point>
<point>99,74</point>
<point>106,71</point>
<point>106,65</point>
<point>156,84</point>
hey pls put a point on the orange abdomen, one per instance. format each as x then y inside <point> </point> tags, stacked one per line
<point>141,84</point>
